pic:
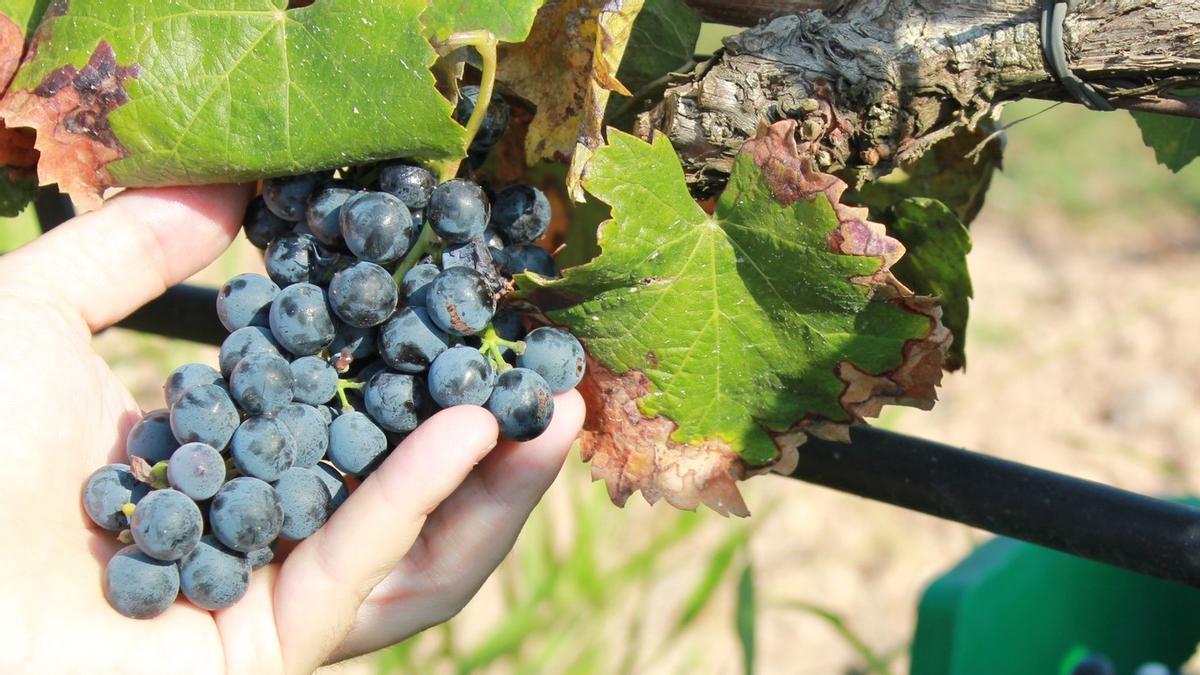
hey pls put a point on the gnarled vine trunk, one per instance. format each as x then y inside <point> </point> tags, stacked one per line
<point>876,82</point>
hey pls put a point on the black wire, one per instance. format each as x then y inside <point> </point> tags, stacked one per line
<point>1054,12</point>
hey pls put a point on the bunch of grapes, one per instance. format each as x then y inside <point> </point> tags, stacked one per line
<point>384,301</point>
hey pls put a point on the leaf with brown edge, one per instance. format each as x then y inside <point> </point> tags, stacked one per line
<point>566,69</point>
<point>720,340</point>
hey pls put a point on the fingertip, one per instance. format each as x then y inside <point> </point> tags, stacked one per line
<point>468,425</point>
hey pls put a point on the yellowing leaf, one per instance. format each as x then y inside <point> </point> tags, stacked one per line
<point>566,68</point>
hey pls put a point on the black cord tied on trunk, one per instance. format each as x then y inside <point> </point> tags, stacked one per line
<point>1054,12</point>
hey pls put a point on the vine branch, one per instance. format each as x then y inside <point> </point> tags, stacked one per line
<point>876,82</point>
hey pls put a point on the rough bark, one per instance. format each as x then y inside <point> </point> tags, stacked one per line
<point>750,12</point>
<point>883,80</point>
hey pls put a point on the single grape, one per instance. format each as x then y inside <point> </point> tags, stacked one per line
<point>261,225</point>
<point>394,401</point>
<point>521,214</point>
<point>493,239</point>
<point>556,355</point>
<point>309,431</point>
<point>415,285</point>
<point>314,380</point>
<point>242,343</point>
<point>495,122</point>
<point>411,184</point>
<point>260,557</point>
<point>197,470</point>
<point>514,260</point>
<point>263,447</point>
<point>356,444</point>
<point>458,211</point>
<point>291,259</point>
<point>1153,668</point>
<point>262,383</point>
<point>138,586</point>
<point>377,227</point>
<point>508,324</point>
<point>151,438</point>
<point>327,413</point>
<point>351,344</point>
<point>460,301</point>
<point>522,404</point>
<point>461,376</point>
<point>186,376</point>
<point>410,341</point>
<point>214,576</point>
<point>204,414</point>
<point>363,294</point>
<point>339,492</point>
<point>287,196</point>
<point>1095,664</point>
<point>166,524</point>
<point>106,493</point>
<point>324,214</point>
<point>246,515</point>
<point>300,319</point>
<point>305,501</point>
<point>245,300</point>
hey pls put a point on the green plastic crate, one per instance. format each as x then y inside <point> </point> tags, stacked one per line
<point>1015,608</point>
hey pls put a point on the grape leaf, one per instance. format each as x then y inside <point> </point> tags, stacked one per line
<point>935,264</point>
<point>714,339</point>
<point>508,20</point>
<point>663,40</point>
<point>1175,140</point>
<point>167,91</point>
<point>566,68</point>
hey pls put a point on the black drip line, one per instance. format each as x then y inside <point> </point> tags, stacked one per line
<point>1054,12</point>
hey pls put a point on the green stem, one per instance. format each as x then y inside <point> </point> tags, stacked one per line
<point>414,254</point>
<point>485,43</point>
<point>491,342</point>
<point>158,476</point>
<point>342,386</point>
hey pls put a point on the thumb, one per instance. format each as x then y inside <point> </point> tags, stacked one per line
<point>101,266</point>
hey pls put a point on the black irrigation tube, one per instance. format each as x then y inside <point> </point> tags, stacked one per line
<point>1080,517</point>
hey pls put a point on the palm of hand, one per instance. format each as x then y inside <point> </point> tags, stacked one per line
<point>408,550</point>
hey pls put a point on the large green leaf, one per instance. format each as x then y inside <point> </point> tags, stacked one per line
<point>1175,140</point>
<point>508,20</point>
<point>196,91</point>
<point>935,263</point>
<point>24,13</point>
<point>738,320</point>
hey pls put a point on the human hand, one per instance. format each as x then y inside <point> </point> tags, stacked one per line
<point>410,547</point>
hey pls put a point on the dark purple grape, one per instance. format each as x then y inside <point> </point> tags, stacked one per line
<point>138,586</point>
<point>324,214</point>
<point>204,414</point>
<point>556,355</point>
<point>287,196</point>
<point>309,431</point>
<point>106,493</point>
<point>197,470</point>
<point>166,524</point>
<point>213,576</point>
<point>242,343</point>
<point>246,515</point>
<point>151,438</point>
<point>363,294</point>
<point>377,227</point>
<point>495,122</point>
<point>461,376</point>
<point>394,400</point>
<point>245,300</point>
<point>458,211</point>
<point>460,301</point>
<point>522,404</point>
<point>521,214</point>
<point>410,341</point>
<point>305,501</point>
<point>187,376</point>
<point>262,383</point>
<point>263,447</point>
<point>356,444</point>
<point>300,319</point>
<point>339,492</point>
<point>314,380</point>
<point>292,259</point>
<point>515,260</point>
<point>411,184</point>
<point>415,285</point>
<point>261,225</point>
